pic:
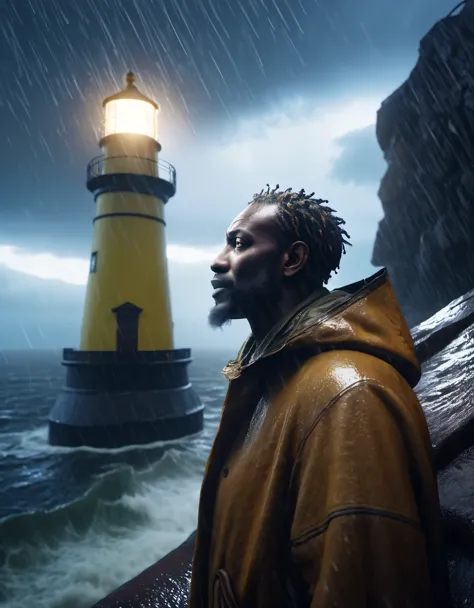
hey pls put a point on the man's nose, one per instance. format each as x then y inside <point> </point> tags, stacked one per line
<point>220,265</point>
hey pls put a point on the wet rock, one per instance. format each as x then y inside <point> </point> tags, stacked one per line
<point>445,347</point>
<point>165,584</point>
<point>426,132</point>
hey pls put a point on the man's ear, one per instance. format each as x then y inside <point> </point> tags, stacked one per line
<point>295,258</point>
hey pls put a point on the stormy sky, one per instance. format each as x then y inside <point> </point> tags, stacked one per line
<point>251,92</point>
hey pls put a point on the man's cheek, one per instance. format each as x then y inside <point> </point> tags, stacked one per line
<point>255,278</point>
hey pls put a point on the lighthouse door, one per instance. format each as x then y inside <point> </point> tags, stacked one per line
<point>127,318</point>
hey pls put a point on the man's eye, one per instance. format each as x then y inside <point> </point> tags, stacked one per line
<point>239,243</point>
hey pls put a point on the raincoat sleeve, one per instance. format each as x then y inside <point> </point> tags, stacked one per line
<point>356,538</point>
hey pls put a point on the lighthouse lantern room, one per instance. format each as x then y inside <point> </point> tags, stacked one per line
<point>130,112</point>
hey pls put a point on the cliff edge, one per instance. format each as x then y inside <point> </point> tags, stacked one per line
<point>426,132</point>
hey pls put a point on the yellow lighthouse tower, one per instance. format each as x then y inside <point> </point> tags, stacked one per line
<point>127,384</point>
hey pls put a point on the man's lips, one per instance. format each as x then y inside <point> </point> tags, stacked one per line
<point>220,286</point>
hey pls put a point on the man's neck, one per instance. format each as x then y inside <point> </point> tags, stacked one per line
<point>268,317</point>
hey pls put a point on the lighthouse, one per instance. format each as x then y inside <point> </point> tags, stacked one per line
<point>127,384</point>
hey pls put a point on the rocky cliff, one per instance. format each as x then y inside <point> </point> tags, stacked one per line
<point>426,131</point>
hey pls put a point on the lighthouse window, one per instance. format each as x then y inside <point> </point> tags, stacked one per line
<point>93,266</point>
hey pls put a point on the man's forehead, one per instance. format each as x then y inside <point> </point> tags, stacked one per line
<point>254,218</point>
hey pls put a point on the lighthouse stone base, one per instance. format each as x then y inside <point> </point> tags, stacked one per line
<point>113,399</point>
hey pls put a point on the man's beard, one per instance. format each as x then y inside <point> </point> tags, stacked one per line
<point>238,304</point>
<point>222,313</point>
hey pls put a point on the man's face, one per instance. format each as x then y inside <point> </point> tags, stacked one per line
<point>248,272</point>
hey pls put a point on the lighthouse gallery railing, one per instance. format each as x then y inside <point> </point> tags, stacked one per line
<point>160,168</point>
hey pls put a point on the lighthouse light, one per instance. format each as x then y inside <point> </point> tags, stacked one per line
<point>130,116</point>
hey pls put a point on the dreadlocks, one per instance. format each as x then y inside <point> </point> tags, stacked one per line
<point>303,218</point>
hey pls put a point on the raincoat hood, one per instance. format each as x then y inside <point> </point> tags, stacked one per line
<point>363,316</point>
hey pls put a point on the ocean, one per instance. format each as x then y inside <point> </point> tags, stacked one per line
<point>77,523</point>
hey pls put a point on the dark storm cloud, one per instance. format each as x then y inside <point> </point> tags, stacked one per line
<point>361,161</point>
<point>206,61</point>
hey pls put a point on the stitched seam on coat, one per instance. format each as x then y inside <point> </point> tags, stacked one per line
<point>324,410</point>
<point>317,530</point>
<point>368,382</point>
<point>312,427</point>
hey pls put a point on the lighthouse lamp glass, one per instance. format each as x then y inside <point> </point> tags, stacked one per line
<point>130,116</point>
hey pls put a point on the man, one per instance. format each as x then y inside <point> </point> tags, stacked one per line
<point>319,489</point>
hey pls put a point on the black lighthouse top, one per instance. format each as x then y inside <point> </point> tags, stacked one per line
<point>130,92</point>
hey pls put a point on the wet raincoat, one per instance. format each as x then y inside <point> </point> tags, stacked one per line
<point>319,490</point>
